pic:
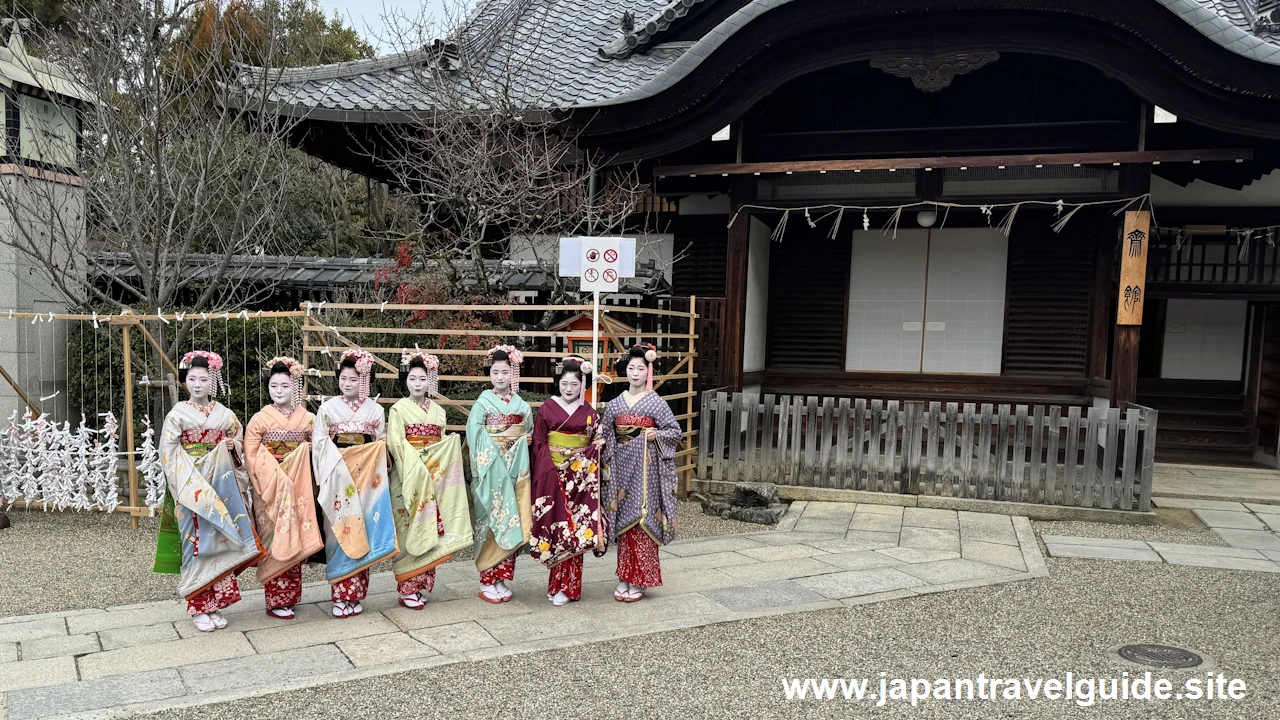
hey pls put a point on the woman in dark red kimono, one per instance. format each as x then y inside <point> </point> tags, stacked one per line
<point>567,521</point>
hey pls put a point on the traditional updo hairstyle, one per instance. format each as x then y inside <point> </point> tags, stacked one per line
<point>433,385</point>
<point>647,353</point>
<point>572,366</point>
<point>497,356</point>
<point>195,362</point>
<point>279,367</point>
<point>347,362</point>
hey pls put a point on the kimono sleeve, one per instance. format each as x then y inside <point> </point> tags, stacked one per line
<point>188,487</point>
<point>610,434</point>
<point>336,491</point>
<point>669,430</point>
<point>541,427</point>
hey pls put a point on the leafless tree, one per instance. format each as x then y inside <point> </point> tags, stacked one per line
<point>484,156</point>
<point>162,171</point>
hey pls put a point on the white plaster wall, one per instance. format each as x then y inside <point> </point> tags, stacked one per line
<point>35,355</point>
<point>886,300</point>
<point>757,308</point>
<point>964,313</point>
<point>1204,339</point>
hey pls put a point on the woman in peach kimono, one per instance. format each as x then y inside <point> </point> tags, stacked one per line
<point>277,446</point>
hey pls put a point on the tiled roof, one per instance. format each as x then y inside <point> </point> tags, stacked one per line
<point>329,272</point>
<point>563,54</point>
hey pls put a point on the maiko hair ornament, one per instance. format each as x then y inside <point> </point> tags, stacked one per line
<point>363,362</point>
<point>430,363</point>
<point>585,365</point>
<point>214,362</point>
<point>295,373</point>
<point>514,358</point>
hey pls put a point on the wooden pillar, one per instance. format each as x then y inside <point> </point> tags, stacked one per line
<point>1100,304</point>
<point>128,424</point>
<point>1131,299</point>
<point>735,290</point>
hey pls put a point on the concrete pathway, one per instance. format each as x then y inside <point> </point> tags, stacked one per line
<point>125,660</point>
<point>1249,529</point>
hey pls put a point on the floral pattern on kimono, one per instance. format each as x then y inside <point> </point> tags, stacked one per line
<point>428,489</point>
<point>496,438</point>
<point>352,487</point>
<point>278,455</point>
<point>567,519</point>
<point>207,504</point>
<point>641,475</point>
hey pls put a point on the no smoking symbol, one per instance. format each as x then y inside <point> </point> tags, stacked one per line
<point>610,275</point>
<point>591,275</point>
<point>610,256</point>
<point>593,255</point>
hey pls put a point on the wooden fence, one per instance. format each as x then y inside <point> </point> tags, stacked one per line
<point>1102,459</point>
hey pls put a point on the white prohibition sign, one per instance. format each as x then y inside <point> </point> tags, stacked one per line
<point>591,274</point>
<point>610,275</point>
<point>611,256</point>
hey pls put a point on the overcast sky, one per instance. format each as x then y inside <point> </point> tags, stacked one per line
<point>367,16</point>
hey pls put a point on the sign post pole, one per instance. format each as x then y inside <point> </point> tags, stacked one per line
<point>595,346</point>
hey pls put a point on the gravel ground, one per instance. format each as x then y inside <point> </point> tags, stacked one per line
<point>1040,628</point>
<point>65,561</point>
<point>1176,525</point>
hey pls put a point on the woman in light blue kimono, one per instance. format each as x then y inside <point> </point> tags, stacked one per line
<point>349,459</point>
<point>498,440</point>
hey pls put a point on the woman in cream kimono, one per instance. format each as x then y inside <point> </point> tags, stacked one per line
<point>277,447</point>
<point>349,457</point>
<point>206,533</point>
<point>428,492</point>
<point>498,439</point>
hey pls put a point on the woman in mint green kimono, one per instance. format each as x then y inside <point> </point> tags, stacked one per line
<point>498,438</point>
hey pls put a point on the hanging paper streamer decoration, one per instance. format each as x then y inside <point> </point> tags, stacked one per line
<point>106,479</point>
<point>45,462</point>
<point>150,468</point>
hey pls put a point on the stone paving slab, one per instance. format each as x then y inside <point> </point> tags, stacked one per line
<point>929,518</point>
<point>1104,552</point>
<point>460,637</point>
<point>1245,553</point>
<point>65,645</point>
<point>930,538</point>
<point>384,649</point>
<point>1097,542</point>
<point>88,695</point>
<point>993,554</point>
<point>860,582</point>
<point>211,646</point>
<point>1229,519</point>
<point>1220,561</point>
<point>818,563</point>
<point>36,673</point>
<point>264,671</point>
<point>987,528</point>
<point>1252,539</point>
<point>1198,504</point>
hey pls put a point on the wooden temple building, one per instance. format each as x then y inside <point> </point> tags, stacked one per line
<point>758,120</point>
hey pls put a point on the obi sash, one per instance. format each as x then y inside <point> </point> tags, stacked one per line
<point>282,442</point>
<point>347,434</point>
<point>421,435</point>
<point>198,443</point>
<point>505,433</point>
<point>562,445</point>
<point>630,426</point>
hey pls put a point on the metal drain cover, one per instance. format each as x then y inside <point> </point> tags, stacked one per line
<point>1160,656</point>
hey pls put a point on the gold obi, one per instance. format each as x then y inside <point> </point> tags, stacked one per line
<point>280,448</point>
<point>562,445</point>
<point>422,435</point>
<point>344,440</point>
<point>198,443</point>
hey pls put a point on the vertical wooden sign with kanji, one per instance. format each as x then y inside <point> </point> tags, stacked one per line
<point>1133,267</point>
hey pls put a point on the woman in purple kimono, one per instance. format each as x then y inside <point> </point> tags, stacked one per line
<point>567,521</point>
<point>641,436</point>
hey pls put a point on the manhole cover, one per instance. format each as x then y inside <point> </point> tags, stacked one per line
<point>1160,656</point>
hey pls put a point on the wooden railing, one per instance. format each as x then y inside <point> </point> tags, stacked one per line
<point>1099,459</point>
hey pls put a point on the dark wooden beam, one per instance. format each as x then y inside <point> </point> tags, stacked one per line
<point>1124,364</point>
<point>1100,303</point>
<point>928,163</point>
